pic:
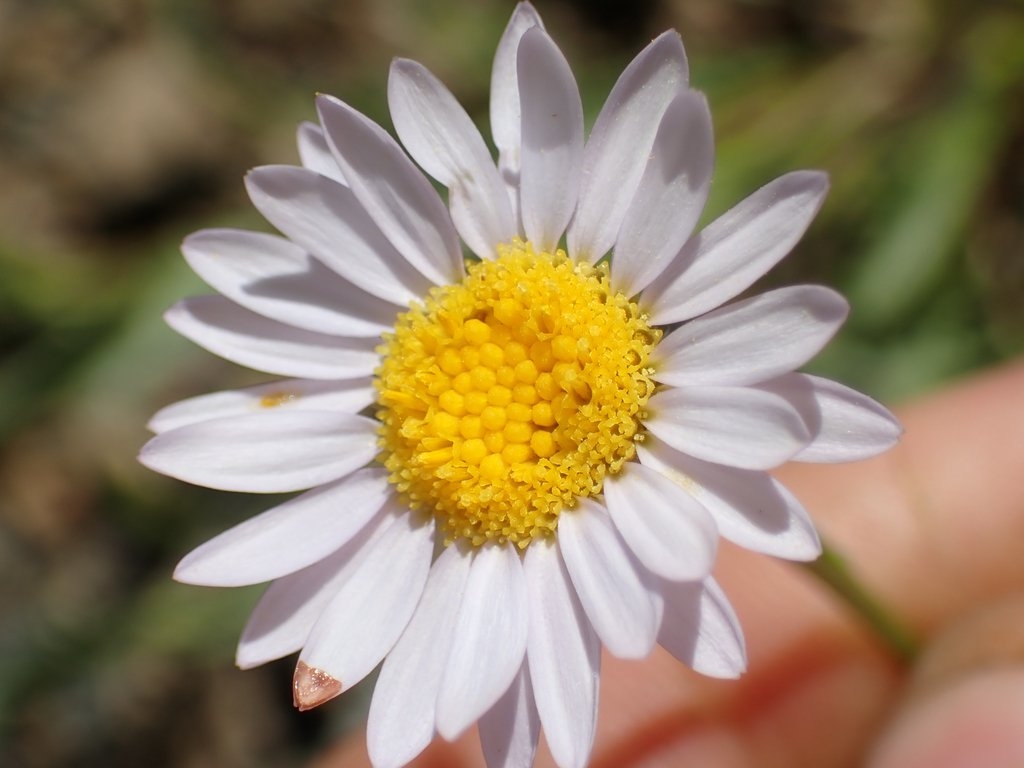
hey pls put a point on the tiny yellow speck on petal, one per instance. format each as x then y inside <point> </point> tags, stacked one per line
<point>275,399</point>
<point>508,396</point>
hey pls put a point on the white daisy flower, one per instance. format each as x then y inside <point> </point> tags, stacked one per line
<point>513,459</point>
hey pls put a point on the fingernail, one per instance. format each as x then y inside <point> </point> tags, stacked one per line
<point>965,704</point>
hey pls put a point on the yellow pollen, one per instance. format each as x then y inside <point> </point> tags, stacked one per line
<point>506,397</point>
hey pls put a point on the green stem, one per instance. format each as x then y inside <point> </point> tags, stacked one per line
<point>833,570</point>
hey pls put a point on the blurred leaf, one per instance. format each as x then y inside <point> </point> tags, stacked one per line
<point>951,157</point>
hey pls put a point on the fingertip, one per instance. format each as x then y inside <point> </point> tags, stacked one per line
<point>978,722</point>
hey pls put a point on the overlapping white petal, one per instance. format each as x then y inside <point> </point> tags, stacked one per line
<point>737,248</point>
<point>492,616</point>
<point>750,508</point>
<point>509,730</point>
<point>752,340</point>
<point>272,452</point>
<point>378,598</point>
<point>670,197</point>
<point>442,138</point>
<point>552,139</point>
<point>325,218</point>
<point>291,605</point>
<point>670,533</point>
<point>314,153</point>
<point>701,629</point>
<point>505,112</point>
<point>620,143</point>
<point>243,337</point>
<point>348,396</point>
<point>845,425</point>
<point>392,191</point>
<point>564,657</point>
<point>275,278</point>
<point>290,536</point>
<point>736,426</point>
<point>403,708</point>
<point>620,596</point>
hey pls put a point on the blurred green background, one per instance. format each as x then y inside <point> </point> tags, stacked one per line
<point>126,124</point>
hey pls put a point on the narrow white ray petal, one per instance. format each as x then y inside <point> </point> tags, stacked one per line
<point>752,340</point>
<point>668,531</point>
<point>314,152</point>
<point>701,629</point>
<point>671,195</point>
<point>620,143</point>
<point>505,112</point>
<point>564,657</point>
<point>552,135</point>
<point>845,425</point>
<point>737,426</point>
<point>489,641</point>
<point>402,711</point>
<point>349,396</point>
<point>737,248</point>
<point>288,609</point>
<point>371,609</point>
<point>393,191</point>
<point>290,536</point>
<point>325,218</point>
<point>442,138</point>
<point>620,596</point>
<point>750,508</point>
<point>509,730</point>
<point>275,278</point>
<point>236,334</point>
<point>272,452</point>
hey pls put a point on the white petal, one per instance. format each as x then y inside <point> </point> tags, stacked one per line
<point>620,596</point>
<point>752,340</point>
<point>671,195</point>
<point>325,218</point>
<point>736,426</point>
<point>670,533</point>
<point>349,396</point>
<point>236,334</point>
<point>402,711</point>
<point>750,508</point>
<point>509,730</point>
<point>844,424</point>
<point>373,606</point>
<point>489,640</point>
<point>272,452</point>
<point>552,129</point>
<point>620,143</point>
<point>701,629</point>
<point>288,609</point>
<point>288,537</point>
<point>737,248</point>
<point>441,137</point>
<point>277,279</point>
<point>314,152</point>
<point>564,657</point>
<point>505,114</point>
<point>393,191</point>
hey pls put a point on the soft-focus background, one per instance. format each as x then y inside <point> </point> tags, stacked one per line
<point>126,124</point>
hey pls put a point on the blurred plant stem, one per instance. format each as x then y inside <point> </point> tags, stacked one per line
<point>832,569</point>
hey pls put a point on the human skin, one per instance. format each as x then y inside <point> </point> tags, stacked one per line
<point>935,530</point>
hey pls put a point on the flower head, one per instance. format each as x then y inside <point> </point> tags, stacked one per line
<point>512,458</point>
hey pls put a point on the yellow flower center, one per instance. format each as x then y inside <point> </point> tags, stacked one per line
<point>506,397</point>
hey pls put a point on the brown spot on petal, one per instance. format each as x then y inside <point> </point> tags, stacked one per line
<point>311,687</point>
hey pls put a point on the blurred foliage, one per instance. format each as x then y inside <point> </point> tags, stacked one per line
<point>126,124</point>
